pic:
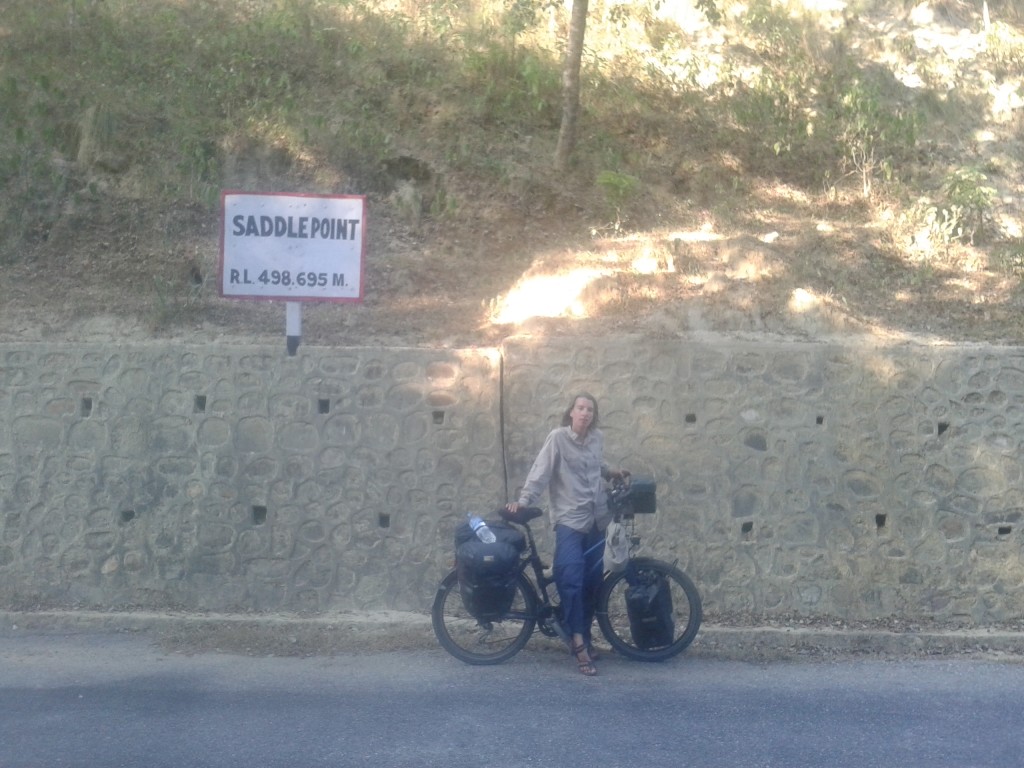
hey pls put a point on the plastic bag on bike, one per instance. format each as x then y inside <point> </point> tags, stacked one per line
<point>487,572</point>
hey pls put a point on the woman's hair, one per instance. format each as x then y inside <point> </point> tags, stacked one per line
<point>567,416</point>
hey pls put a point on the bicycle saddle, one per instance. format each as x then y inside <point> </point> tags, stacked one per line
<point>522,516</point>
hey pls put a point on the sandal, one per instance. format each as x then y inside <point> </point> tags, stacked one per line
<point>586,665</point>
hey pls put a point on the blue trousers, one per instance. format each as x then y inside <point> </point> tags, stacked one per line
<point>579,572</point>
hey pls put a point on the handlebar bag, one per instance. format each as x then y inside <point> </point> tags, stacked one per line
<point>649,606</point>
<point>487,572</point>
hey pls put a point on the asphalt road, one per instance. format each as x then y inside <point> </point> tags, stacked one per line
<point>102,699</point>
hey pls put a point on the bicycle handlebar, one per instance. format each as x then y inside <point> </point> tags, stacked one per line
<point>620,490</point>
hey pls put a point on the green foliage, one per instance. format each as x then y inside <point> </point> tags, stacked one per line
<point>810,102</point>
<point>619,14</point>
<point>777,32</point>
<point>776,103</point>
<point>1008,258</point>
<point>442,205</point>
<point>439,18</point>
<point>519,16</point>
<point>963,212</point>
<point>513,88</point>
<point>319,94</point>
<point>869,131</point>
<point>200,171</point>
<point>968,202</point>
<point>29,177</point>
<point>1004,49</point>
<point>710,10</point>
<point>618,189</point>
<point>175,302</point>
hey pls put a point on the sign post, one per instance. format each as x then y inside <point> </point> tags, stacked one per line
<point>292,326</point>
<point>292,248</point>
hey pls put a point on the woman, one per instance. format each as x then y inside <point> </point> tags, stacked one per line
<point>571,467</point>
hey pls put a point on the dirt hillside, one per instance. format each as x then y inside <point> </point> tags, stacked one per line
<point>710,243</point>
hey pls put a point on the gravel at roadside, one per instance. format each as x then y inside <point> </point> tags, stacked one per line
<point>375,632</point>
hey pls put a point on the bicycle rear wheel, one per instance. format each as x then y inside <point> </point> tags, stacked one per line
<point>482,642</point>
<point>673,621</point>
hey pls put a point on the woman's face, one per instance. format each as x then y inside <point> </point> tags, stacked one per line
<point>582,414</point>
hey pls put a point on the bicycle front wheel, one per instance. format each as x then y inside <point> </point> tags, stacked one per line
<point>650,611</point>
<point>482,642</point>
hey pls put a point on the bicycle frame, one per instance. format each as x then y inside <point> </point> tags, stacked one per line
<point>546,612</point>
<point>546,617</point>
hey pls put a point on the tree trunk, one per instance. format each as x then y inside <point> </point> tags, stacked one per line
<point>571,84</point>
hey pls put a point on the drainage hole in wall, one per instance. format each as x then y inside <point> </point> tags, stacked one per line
<point>819,420</point>
<point>127,515</point>
<point>880,522</point>
<point>323,406</point>
<point>199,404</point>
<point>690,418</point>
<point>943,426</point>
<point>747,527</point>
<point>384,520</point>
<point>259,514</point>
<point>86,406</point>
<point>1005,530</point>
<point>438,417</point>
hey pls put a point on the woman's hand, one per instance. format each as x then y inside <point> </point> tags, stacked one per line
<point>512,507</point>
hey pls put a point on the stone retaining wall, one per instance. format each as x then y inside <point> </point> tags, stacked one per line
<point>853,480</point>
<point>858,481</point>
<point>234,478</point>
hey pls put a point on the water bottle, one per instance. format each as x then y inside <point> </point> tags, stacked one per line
<point>485,534</point>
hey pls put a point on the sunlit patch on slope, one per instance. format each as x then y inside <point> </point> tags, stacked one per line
<point>547,295</point>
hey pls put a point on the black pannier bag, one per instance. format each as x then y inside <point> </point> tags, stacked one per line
<point>639,498</point>
<point>649,605</point>
<point>487,572</point>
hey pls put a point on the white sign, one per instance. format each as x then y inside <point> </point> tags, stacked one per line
<point>292,247</point>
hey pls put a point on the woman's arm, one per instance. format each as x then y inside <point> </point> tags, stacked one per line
<point>540,473</point>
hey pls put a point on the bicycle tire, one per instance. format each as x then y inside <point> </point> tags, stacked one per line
<point>476,642</point>
<point>613,616</point>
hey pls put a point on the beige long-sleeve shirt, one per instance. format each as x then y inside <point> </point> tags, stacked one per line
<point>571,470</point>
